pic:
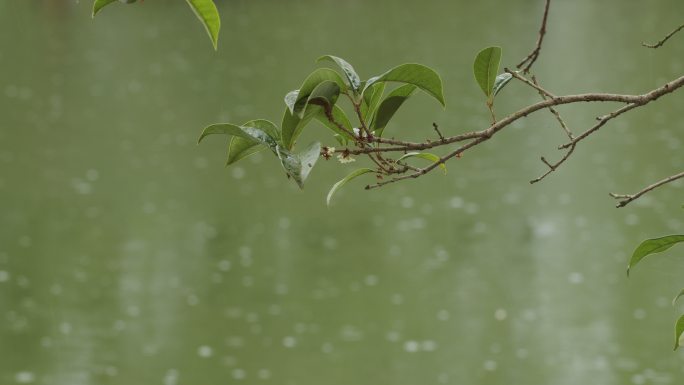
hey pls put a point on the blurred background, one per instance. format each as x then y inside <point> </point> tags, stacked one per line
<point>129,255</point>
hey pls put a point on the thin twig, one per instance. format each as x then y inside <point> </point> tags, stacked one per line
<point>439,133</point>
<point>553,166</point>
<point>627,199</point>
<point>532,84</point>
<point>666,38</point>
<point>532,57</point>
<point>555,113</point>
<point>602,120</point>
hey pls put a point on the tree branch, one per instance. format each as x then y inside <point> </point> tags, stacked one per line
<point>663,40</point>
<point>478,137</point>
<point>627,199</point>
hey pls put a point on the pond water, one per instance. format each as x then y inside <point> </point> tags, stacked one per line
<point>129,255</point>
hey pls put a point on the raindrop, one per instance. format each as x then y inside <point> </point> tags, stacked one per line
<point>500,314</point>
<point>205,351</point>
<point>289,342</point>
<point>25,377</point>
<point>411,346</point>
<point>239,374</point>
<point>490,365</point>
<point>264,374</point>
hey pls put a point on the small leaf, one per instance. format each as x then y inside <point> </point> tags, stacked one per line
<point>419,75</point>
<point>314,79</point>
<point>681,293</point>
<point>427,156</point>
<point>500,82</point>
<point>679,330</point>
<point>371,99</point>
<point>239,148</point>
<point>99,4</point>
<point>389,107</point>
<point>652,246</point>
<point>208,14</point>
<point>344,181</point>
<point>308,158</point>
<point>485,68</point>
<point>349,72</point>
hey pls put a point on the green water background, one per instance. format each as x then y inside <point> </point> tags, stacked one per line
<point>129,255</point>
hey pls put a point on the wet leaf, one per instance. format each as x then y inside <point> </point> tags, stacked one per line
<point>292,125</point>
<point>239,148</point>
<point>261,131</point>
<point>325,95</point>
<point>310,83</point>
<point>500,82</point>
<point>344,181</point>
<point>653,246</point>
<point>419,75</point>
<point>349,72</point>
<point>308,158</point>
<point>298,166</point>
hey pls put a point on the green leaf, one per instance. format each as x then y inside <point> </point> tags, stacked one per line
<point>500,82</point>
<point>292,125</point>
<point>291,164</point>
<point>291,99</point>
<point>208,14</point>
<point>298,166</point>
<point>349,72</point>
<point>239,148</point>
<point>427,156</point>
<point>679,329</point>
<point>325,95</point>
<point>371,99</point>
<point>681,293</point>
<point>485,68</point>
<point>99,4</point>
<point>296,117</point>
<point>261,131</point>
<point>308,158</point>
<point>344,181</point>
<point>419,75</point>
<point>340,117</point>
<point>389,107</point>
<point>310,83</point>
<point>266,126</point>
<point>652,246</point>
